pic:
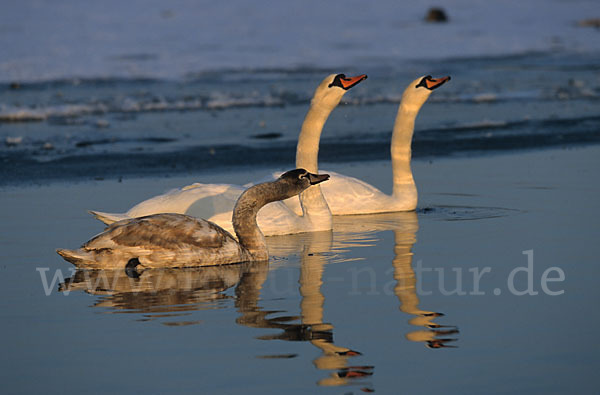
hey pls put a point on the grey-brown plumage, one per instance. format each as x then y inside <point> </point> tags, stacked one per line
<point>176,240</point>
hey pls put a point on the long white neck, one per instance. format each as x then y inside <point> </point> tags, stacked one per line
<point>307,151</point>
<point>401,151</point>
<point>244,216</point>
<point>314,205</point>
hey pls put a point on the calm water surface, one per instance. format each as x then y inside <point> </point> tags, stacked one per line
<point>372,306</point>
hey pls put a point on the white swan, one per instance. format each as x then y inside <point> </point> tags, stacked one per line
<point>215,201</point>
<point>348,195</point>
<point>176,240</point>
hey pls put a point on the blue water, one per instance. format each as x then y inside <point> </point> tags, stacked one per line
<point>385,303</point>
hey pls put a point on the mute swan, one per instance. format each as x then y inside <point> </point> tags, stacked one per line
<point>176,240</point>
<point>215,201</point>
<point>348,195</point>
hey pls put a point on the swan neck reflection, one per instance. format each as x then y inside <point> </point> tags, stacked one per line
<point>406,292</point>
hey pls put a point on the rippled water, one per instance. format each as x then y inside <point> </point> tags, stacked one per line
<point>122,127</point>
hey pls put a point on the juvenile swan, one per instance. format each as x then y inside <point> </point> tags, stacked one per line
<point>215,201</point>
<point>348,195</point>
<point>176,240</point>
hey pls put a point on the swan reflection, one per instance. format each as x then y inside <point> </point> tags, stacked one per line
<point>160,293</point>
<point>405,226</point>
<point>316,250</point>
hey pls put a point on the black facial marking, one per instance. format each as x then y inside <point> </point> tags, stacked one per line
<point>341,81</point>
<point>432,83</point>
<point>337,81</point>
<point>423,82</point>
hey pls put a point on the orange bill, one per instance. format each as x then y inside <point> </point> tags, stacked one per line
<point>432,83</point>
<point>348,83</point>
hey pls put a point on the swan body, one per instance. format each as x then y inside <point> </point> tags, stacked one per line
<point>359,197</point>
<point>215,202</point>
<point>362,198</point>
<point>159,240</point>
<point>177,240</point>
<point>348,195</point>
<point>181,200</point>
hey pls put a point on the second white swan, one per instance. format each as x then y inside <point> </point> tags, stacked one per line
<point>348,195</point>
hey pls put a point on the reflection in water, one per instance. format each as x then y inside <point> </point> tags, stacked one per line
<point>318,249</point>
<point>405,226</point>
<point>160,293</point>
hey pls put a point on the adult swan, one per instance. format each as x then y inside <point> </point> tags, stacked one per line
<point>215,201</point>
<point>348,195</point>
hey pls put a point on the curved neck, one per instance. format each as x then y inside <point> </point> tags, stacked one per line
<point>314,205</point>
<point>307,150</point>
<point>244,217</point>
<point>401,151</point>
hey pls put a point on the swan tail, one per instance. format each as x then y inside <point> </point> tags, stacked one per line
<point>108,218</point>
<point>76,257</point>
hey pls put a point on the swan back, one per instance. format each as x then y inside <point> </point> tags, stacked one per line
<point>159,240</point>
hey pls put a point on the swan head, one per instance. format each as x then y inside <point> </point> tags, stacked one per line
<point>297,180</point>
<point>333,87</point>
<point>418,91</point>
